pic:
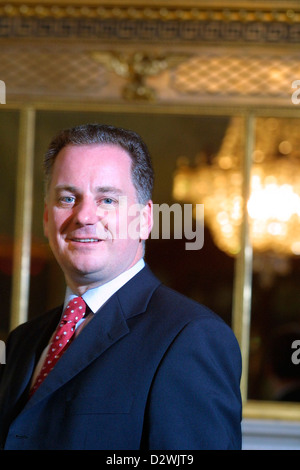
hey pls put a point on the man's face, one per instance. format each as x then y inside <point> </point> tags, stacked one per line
<point>90,194</point>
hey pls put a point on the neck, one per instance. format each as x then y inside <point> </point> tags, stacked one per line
<point>82,283</point>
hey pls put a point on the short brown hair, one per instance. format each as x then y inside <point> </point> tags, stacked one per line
<point>141,169</point>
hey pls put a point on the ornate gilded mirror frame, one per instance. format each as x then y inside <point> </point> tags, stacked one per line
<point>194,57</point>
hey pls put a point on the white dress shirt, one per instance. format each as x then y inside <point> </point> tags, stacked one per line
<point>98,296</point>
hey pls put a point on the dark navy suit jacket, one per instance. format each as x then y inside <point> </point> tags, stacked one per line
<point>152,370</point>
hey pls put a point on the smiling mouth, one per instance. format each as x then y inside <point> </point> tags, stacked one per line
<point>86,240</point>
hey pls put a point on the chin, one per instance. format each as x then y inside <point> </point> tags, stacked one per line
<point>82,267</point>
<point>87,269</point>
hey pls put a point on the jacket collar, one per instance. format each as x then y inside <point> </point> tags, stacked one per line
<point>108,326</point>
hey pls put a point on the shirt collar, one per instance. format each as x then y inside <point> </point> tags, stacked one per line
<point>97,296</point>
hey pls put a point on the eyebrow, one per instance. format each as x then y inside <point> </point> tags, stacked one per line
<point>99,189</point>
<point>108,189</point>
<point>65,187</point>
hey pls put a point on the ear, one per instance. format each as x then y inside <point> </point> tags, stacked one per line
<point>146,220</point>
<point>45,220</point>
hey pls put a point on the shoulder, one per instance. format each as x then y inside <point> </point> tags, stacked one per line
<point>173,308</point>
<point>202,339</point>
<point>178,304</point>
<point>196,324</point>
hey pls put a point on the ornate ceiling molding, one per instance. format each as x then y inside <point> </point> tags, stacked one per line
<point>195,29</point>
<point>164,22</point>
<point>238,11</point>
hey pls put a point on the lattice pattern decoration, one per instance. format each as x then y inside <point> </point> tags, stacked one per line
<point>50,72</point>
<point>240,75</point>
<point>70,71</point>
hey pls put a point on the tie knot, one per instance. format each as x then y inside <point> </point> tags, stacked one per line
<point>74,311</point>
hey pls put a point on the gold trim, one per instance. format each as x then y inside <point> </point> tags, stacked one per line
<point>166,10</point>
<point>23,218</point>
<point>271,410</point>
<point>243,268</point>
<point>156,108</point>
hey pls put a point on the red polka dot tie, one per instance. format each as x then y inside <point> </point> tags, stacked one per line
<point>62,337</point>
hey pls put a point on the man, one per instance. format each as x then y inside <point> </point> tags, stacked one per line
<point>147,368</point>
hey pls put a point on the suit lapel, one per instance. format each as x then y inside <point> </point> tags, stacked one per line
<point>106,328</point>
<point>35,345</point>
<point>18,378</point>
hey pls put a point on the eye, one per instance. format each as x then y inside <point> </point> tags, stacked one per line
<point>108,200</point>
<point>67,200</point>
<point>106,203</point>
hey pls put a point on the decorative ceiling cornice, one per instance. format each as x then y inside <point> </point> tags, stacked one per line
<point>234,11</point>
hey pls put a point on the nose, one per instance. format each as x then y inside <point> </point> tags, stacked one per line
<point>86,212</point>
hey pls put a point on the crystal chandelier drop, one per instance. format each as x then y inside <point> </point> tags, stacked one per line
<point>274,203</point>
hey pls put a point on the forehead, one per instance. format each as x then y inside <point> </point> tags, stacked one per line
<point>87,167</point>
<point>94,159</point>
<point>93,154</point>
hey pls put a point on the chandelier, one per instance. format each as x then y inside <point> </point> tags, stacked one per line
<point>274,203</point>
